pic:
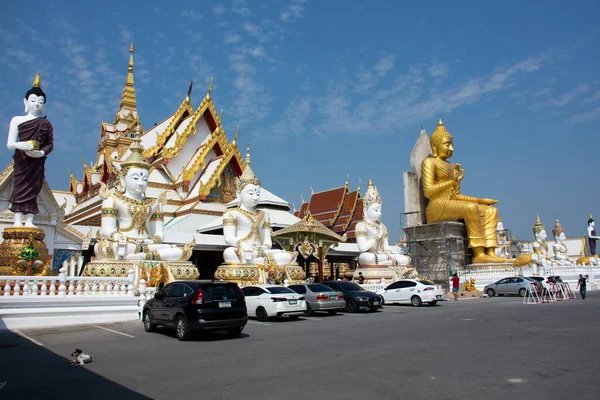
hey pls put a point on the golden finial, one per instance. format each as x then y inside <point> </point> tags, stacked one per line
<point>210,86</point>
<point>189,92</point>
<point>311,190</point>
<point>221,117</point>
<point>37,82</point>
<point>440,123</point>
<point>370,182</point>
<point>302,198</point>
<point>234,141</point>
<point>248,154</point>
<point>538,227</point>
<point>347,178</point>
<point>591,216</point>
<point>131,48</point>
<point>359,182</point>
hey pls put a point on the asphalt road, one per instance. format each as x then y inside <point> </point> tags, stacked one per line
<point>494,348</point>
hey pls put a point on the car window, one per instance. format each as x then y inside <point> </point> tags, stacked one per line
<point>332,285</point>
<point>350,286</point>
<point>426,283</point>
<point>517,280</point>
<point>410,284</point>
<point>169,289</point>
<point>505,280</point>
<point>395,285</point>
<point>252,291</point>
<point>187,290</point>
<point>279,289</point>
<point>299,288</point>
<point>317,287</point>
<point>177,291</point>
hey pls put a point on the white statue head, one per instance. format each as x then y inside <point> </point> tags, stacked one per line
<point>373,213</point>
<point>500,226</point>
<point>134,171</point>
<point>591,221</point>
<point>135,182</point>
<point>370,199</point>
<point>35,98</point>
<point>249,196</point>
<point>248,186</point>
<point>541,235</point>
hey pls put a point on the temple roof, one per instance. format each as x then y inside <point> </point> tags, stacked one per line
<point>338,209</point>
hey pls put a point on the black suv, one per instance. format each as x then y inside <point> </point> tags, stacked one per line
<point>357,298</point>
<point>190,306</point>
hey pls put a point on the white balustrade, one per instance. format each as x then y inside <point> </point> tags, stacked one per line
<point>78,286</point>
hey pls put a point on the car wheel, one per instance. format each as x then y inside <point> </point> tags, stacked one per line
<point>351,306</point>
<point>491,292</point>
<point>332,312</point>
<point>182,328</point>
<point>522,292</point>
<point>261,314</point>
<point>309,310</point>
<point>416,301</point>
<point>234,332</point>
<point>148,325</point>
<point>433,303</point>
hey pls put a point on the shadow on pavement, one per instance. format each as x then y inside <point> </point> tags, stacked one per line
<point>29,371</point>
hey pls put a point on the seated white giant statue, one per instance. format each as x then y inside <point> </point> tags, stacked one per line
<point>247,230</point>
<point>539,256</point>
<point>372,235</point>
<point>132,226</point>
<point>558,247</point>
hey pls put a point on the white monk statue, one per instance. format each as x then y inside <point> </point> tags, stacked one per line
<point>247,230</point>
<point>502,237</point>
<point>592,236</point>
<point>539,256</point>
<point>558,247</point>
<point>372,235</point>
<point>132,226</point>
<point>31,136</point>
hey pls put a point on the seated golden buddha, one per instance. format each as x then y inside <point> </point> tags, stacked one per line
<point>441,185</point>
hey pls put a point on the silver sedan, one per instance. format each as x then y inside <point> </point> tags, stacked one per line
<point>320,298</point>
<point>513,285</point>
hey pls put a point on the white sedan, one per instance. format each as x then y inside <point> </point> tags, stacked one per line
<point>264,301</point>
<point>412,291</point>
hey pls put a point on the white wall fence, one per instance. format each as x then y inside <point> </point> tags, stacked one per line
<point>568,274</point>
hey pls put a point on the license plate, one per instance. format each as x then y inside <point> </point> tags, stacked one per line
<point>224,304</point>
<point>376,302</point>
<point>293,302</point>
<point>439,297</point>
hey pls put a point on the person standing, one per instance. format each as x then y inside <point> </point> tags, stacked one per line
<point>582,286</point>
<point>455,285</point>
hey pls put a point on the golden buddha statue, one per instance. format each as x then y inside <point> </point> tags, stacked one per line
<point>441,185</point>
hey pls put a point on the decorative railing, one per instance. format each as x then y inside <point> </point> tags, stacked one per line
<point>63,286</point>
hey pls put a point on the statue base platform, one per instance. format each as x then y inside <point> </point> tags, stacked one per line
<point>16,238</point>
<point>374,273</point>
<point>488,266</point>
<point>254,274</point>
<point>154,272</point>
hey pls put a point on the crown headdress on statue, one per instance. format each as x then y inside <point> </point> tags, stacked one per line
<point>371,196</point>
<point>590,220</point>
<point>558,229</point>
<point>438,135</point>
<point>36,88</point>
<point>248,177</point>
<point>135,158</point>
<point>538,227</point>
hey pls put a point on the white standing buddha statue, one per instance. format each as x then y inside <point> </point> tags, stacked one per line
<point>132,225</point>
<point>372,235</point>
<point>247,230</point>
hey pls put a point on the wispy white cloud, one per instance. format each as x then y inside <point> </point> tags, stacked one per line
<point>219,10</point>
<point>231,37</point>
<point>594,97</point>
<point>438,69</point>
<point>240,7</point>
<point>568,97</point>
<point>293,10</point>
<point>588,116</point>
<point>192,15</point>
<point>385,64</point>
<point>368,78</point>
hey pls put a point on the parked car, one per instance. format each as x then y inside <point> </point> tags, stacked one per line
<point>265,301</point>
<point>320,297</point>
<point>412,291</point>
<point>357,298</point>
<point>513,285</point>
<point>193,306</point>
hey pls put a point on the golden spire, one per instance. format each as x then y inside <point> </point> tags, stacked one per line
<point>234,141</point>
<point>440,123</point>
<point>347,178</point>
<point>128,99</point>
<point>37,82</point>
<point>591,216</point>
<point>538,227</point>
<point>248,176</point>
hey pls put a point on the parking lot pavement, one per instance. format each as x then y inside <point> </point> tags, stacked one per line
<point>492,348</point>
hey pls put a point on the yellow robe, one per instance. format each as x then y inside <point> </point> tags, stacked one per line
<point>447,204</point>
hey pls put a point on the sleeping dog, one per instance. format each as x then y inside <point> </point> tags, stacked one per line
<point>80,357</point>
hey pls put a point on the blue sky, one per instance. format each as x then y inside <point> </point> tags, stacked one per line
<point>325,88</point>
